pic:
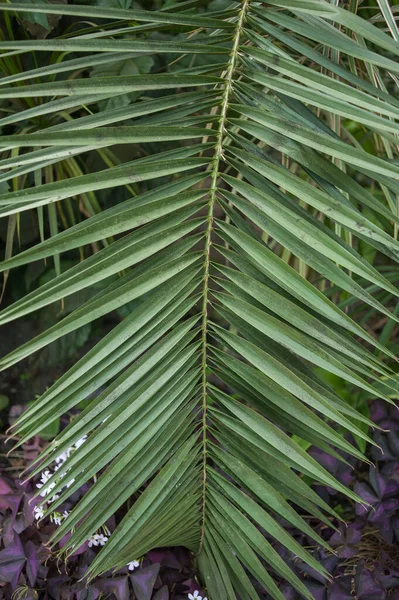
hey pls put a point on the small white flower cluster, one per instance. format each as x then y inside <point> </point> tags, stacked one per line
<point>196,596</point>
<point>57,517</point>
<point>97,539</point>
<point>38,511</point>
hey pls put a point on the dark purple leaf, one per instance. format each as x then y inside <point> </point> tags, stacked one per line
<point>391,470</point>
<point>143,581</point>
<point>389,443</point>
<point>55,584</point>
<point>28,507</point>
<point>118,586</point>
<point>30,594</point>
<point>288,592</point>
<point>86,593</point>
<point>339,589</point>
<point>19,523</point>
<point>384,510</point>
<point>328,562</point>
<point>164,557</point>
<point>389,578</point>
<point>385,527</point>
<point>162,594</point>
<point>33,562</point>
<point>12,560</point>
<point>11,501</point>
<point>5,488</point>
<point>346,540</point>
<point>191,584</point>
<point>341,471</point>
<point>7,530</point>
<point>368,495</point>
<point>79,550</point>
<point>317,590</point>
<point>182,556</point>
<point>383,486</point>
<point>366,585</point>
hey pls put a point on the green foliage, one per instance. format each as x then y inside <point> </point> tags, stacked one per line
<point>4,402</point>
<point>251,193</point>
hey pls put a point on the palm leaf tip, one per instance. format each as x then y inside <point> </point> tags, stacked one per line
<point>209,382</point>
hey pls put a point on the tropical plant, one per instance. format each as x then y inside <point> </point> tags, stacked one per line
<point>208,384</point>
<point>27,115</point>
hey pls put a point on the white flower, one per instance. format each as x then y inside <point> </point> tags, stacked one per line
<point>98,539</point>
<point>133,565</point>
<point>45,476</point>
<point>65,513</point>
<point>38,512</point>
<point>102,539</point>
<point>93,540</point>
<point>196,596</point>
<point>53,498</point>
<point>64,456</point>
<point>63,475</point>
<point>80,442</point>
<point>44,479</point>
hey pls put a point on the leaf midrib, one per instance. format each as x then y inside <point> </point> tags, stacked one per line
<point>218,157</point>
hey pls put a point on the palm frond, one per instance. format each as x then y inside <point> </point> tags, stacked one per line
<point>206,380</point>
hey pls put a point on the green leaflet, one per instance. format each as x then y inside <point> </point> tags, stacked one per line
<point>118,13</point>
<point>108,85</point>
<point>52,192</point>
<point>109,135</point>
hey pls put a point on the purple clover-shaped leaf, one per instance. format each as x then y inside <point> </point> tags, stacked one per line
<point>54,585</point>
<point>12,561</point>
<point>33,562</point>
<point>366,585</point>
<point>7,531</point>
<point>5,487</point>
<point>29,505</point>
<point>327,561</point>
<point>368,495</point>
<point>379,411</point>
<point>346,539</point>
<point>317,590</point>
<point>118,586</point>
<point>288,592</point>
<point>340,589</point>
<point>389,445</point>
<point>164,557</point>
<point>79,550</point>
<point>387,571</point>
<point>143,581</point>
<point>11,501</point>
<point>382,496</point>
<point>341,471</point>
<point>384,485</point>
<point>162,594</point>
